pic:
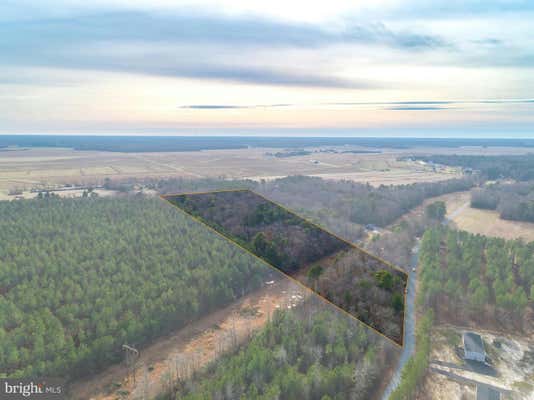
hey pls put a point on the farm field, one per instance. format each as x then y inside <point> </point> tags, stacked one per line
<point>474,220</point>
<point>484,222</point>
<point>24,169</point>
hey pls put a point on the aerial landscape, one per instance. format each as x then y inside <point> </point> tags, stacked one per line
<point>266,200</point>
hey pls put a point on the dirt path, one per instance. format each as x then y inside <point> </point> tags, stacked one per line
<point>192,347</point>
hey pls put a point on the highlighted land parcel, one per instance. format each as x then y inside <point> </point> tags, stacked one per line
<point>364,286</point>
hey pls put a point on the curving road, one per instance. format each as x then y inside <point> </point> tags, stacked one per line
<point>409,325</point>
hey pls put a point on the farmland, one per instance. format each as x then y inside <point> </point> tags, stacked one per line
<point>27,168</point>
<point>484,222</point>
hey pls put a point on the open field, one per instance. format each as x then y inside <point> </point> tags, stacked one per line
<point>48,167</point>
<point>474,220</point>
<point>485,222</point>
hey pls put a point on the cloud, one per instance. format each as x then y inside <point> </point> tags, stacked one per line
<point>488,41</point>
<point>203,28</point>
<point>413,108</point>
<point>213,107</point>
<point>459,8</point>
<point>256,75</point>
<point>230,106</point>
<point>94,42</point>
<point>408,105</point>
<point>432,102</point>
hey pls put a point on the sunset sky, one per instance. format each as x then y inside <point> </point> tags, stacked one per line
<point>332,68</point>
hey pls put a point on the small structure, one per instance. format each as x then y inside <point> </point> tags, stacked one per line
<point>473,347</point>
<point>485,392</point>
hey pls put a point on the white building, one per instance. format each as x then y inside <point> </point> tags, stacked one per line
<point>473,347</point>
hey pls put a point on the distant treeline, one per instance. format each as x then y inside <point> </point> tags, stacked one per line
<point>301,152</point>
<point>355,202</point>
<point>290,153</point>
<point>518,167</point>
<point>340,206</point>
<point>192,143</point>
<point>514,201</point>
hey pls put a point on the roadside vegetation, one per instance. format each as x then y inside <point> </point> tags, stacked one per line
<point>416,367</point>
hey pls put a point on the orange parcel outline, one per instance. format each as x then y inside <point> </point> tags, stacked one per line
<point>167,196</point>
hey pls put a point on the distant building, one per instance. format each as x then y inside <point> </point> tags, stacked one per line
<point>473,347</point>
<point>485,392</point>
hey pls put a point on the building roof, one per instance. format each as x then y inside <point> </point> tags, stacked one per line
<point>485,392</point>
<point>473,342</point>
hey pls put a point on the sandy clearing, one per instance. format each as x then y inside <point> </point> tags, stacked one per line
<point>199,343</point>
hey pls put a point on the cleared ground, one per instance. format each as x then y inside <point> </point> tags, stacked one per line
<point>484,222</point>
<point>511,368</point>
<point>196,345</point>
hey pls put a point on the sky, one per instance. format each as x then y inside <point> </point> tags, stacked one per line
<point>441,68</point>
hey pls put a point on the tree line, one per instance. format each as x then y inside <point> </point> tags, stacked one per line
<point>518,167</point>
<point>513,201</point>
<point>340,206</point>
<point>356,202</point>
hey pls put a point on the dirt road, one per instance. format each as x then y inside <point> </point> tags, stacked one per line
<point>192,347</point>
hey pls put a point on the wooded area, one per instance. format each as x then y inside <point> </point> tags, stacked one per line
<point>514,201</point>
<point>365,287</point>
<point>81,277</point>
<point>466,277</point>
<point>518,167</point>
<point>278,236</point>
<point>340,206</point>
<point>355,202</point>
<point>306,354</point>
<point>362,285</point>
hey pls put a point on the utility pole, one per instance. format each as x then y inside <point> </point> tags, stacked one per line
<point>132,355</point>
